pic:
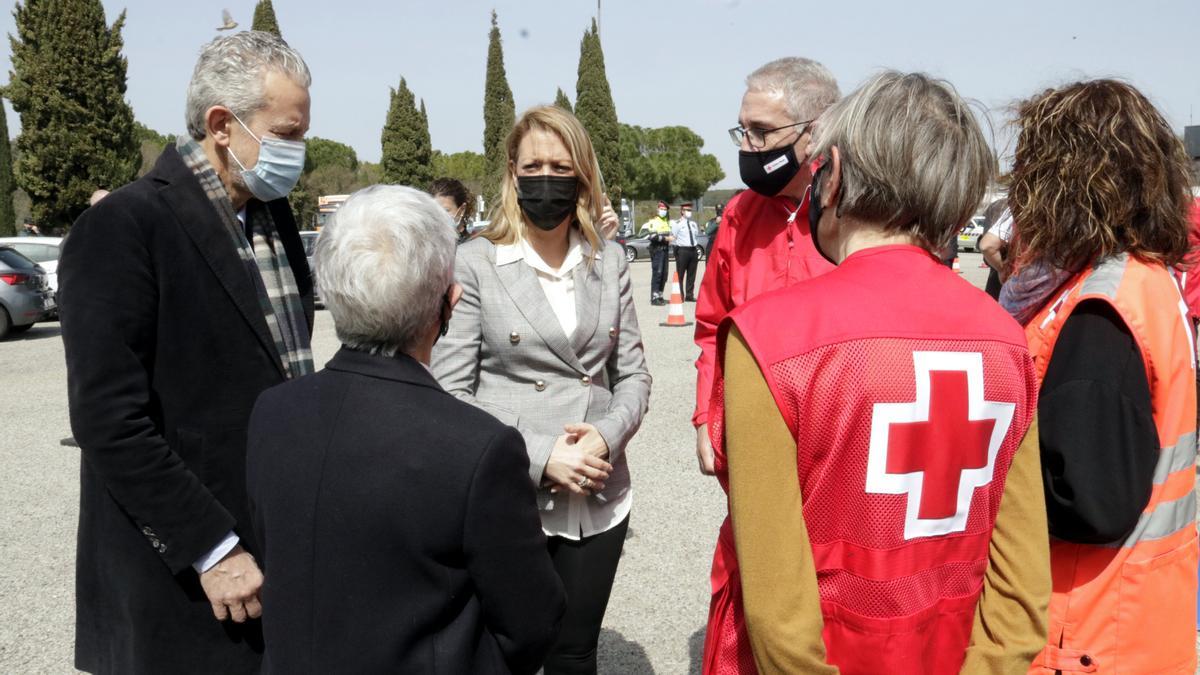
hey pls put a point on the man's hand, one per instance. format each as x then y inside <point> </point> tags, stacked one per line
<point>704,451</point>
<point>569,465</point>
<point>232,586</point>
<point>609,222</point>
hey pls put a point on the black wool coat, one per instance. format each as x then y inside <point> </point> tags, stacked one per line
<point>398,528</point>
<point>167,350</point>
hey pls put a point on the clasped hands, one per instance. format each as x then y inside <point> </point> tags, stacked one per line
<point>577,462</point>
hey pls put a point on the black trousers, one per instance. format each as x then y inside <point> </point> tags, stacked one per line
<point>658,270</point>
<point>587,568</point>
<point>685,266</point>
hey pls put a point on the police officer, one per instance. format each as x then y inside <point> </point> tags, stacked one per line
<point>660,241</point>
<point>687,235</point>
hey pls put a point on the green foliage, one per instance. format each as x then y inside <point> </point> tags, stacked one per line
<point>407,150</point>
<point>8,217</point>
<point>264,18</point>
<point>594,108</point>
<point>561,100</point>
<point>322,152</point>
<point>469,167</point>
<point>68,85</point>
<point>499,111</point>
<point>151,144</point>
<point>666,163</point>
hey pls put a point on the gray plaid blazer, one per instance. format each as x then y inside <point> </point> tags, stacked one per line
<point>507,353</point>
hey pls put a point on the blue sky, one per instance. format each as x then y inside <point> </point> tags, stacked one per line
<point>669,61</point>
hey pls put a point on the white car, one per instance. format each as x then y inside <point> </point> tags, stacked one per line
<point>42,250</point>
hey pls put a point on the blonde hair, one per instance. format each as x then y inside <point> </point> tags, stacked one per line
<point>913,156</point>
<point>508,223</point>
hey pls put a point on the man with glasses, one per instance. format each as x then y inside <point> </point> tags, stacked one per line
<point>764,242</point>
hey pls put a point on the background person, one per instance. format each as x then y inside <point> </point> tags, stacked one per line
<point>899,396</point>
<point>206,302</point>
<point>1100,193</point>
<point>993,244</point>
<point>660,245</point>
<point>374,490</point>
<point>710,229</point>
<point>686,233</point>
<point>546,339</point>
<point>764,242</point>
<point>455,199</point>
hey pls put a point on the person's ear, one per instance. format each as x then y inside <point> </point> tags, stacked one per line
<point>456,292</point>
<point>217,122</point>
<point>831,190</point>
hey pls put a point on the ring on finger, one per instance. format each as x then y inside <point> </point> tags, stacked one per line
<point>584,482</point>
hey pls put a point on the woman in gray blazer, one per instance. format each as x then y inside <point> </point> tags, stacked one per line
<point>546,339</point>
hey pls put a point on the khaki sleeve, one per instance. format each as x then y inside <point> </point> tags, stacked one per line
<point>1010,619</point>
<point>779,578</point>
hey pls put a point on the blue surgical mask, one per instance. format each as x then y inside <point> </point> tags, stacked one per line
<point>279,166</point>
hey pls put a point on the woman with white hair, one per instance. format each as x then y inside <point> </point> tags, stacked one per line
<point>546,339</point>
<point>381,501</point>
<point>868,424</point>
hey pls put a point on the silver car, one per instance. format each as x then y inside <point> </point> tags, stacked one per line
<point>25,295</point>
<point>310,246</point>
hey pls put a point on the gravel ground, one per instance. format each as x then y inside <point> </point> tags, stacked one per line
<point>655,622</point>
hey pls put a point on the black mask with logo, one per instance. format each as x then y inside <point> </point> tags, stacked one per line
<point>547,200</point>
<point>767,172</point>
<point>815,209</point>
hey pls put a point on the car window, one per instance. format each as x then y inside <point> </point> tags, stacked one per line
<point>15,260</point>
<point>310,245</point>
<point>37,252</point>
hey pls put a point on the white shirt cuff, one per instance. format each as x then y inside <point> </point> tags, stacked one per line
<point>214,556</point>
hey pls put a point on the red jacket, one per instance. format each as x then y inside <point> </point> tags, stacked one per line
<point>1191,282</point>
<point>763,244</point>
<point>907,392</point>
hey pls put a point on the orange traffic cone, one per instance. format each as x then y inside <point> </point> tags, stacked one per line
<point>956,267</point>
<point>675,311</point>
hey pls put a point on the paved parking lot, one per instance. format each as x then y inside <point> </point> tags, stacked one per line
<point>655,622</point>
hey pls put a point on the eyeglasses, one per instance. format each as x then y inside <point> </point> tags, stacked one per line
<point>758,137</point>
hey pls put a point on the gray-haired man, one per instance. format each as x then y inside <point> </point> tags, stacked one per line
<point>188,294</point>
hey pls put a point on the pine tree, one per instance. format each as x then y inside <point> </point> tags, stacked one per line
<point>561,100</point>
<point>68,85</point>
<point>264,18</point>
<point>8,218</point>
<point>595,110</point>
<point>407,154</point>
<point>498,110</point>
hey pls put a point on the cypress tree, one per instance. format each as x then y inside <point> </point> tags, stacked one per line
<point>8,217</point>
<point>561,100</point>
<point>595,110</point>
<point>68,85</point>
<point>407,154</point>
<point>264,18</point>
<point>498,110</point>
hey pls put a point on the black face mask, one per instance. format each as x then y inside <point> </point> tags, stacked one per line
<point>815,209</point>
<point>547,200</point>
<point>769,171</point>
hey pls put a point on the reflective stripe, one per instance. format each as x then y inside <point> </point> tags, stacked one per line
<point>1174,458</point>
<point>1166,519</point>
<point>1106,277</point>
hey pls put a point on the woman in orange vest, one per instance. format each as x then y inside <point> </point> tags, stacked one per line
<point>1100,198</point>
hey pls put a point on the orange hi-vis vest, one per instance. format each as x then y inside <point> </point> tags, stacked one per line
<point>1130,607</point>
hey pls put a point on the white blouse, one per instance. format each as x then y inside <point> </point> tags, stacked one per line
<point>577,520</point>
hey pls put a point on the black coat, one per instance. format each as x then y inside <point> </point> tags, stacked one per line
<point>167,350</point>
<point>398,527</point>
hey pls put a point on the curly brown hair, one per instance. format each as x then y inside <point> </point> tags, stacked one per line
<point>1098,172</point>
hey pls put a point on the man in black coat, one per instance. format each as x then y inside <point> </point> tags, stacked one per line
<point>397,525</point>
<point>184,295</point>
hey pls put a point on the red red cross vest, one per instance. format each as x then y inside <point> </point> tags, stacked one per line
<point>1131,607</point>
<point>907,391</point>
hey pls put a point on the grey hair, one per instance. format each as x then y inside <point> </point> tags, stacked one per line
<point>807,87</point>
<point>231,72</point>
<point>384,264</point>
<point>913,157</point>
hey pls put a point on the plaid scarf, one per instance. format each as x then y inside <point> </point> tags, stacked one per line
<point>265,262</point>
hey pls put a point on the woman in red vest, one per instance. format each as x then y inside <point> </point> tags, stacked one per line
<point>1100,196</point>
<point>868,423</point>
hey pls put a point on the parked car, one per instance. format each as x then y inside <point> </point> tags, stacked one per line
<point>968,237</point>
<point>310,246</point>
<point>41,250</point>
<point>637,248</point>
<point>25,295</point>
